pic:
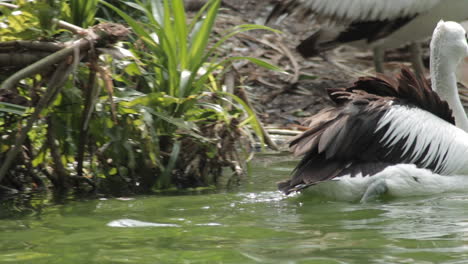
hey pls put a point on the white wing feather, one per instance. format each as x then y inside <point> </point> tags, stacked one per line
<point>447,144</point>
<point>365,10</point>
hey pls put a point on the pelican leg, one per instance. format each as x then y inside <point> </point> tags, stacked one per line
<point>416,58</point>
<point>374,190</point>
<point>379,54</point>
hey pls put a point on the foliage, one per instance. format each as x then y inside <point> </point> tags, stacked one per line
<point>34,19</point>
<point>163,121</point>
<point>82,12</point>
<point>178,78</point>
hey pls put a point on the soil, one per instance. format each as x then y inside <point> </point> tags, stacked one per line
<point>284,100</point>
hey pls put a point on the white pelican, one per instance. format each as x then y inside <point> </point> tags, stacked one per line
<point>377,24</point>
<point>385,127</point>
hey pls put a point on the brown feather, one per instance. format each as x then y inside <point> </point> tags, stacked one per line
<point>330,133</point>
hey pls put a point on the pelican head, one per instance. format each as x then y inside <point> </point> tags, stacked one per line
<point>449,39</point>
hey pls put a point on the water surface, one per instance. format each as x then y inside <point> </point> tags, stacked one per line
<point>253,224</point>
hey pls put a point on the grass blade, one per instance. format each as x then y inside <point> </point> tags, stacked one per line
<point>200,39</point>
<point>180,27</point>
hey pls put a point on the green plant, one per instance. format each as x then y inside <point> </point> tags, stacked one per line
<point>179,69</point>
<point>82,12</point>
<point>155,120</point>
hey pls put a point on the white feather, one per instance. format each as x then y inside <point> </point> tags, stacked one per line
<point>362,10</point>
<point>402,180</point>
<point>423,129</point>
<point>422,26</point>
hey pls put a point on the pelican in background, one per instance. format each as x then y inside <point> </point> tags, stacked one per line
<point>377,24</point>
<point>386,134</point>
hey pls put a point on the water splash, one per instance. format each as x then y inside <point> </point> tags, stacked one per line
<point>137,223</point>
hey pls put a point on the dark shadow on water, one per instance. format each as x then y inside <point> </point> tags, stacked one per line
<point>263,174</point>
<point>31,204</point>
<point>23,205</point>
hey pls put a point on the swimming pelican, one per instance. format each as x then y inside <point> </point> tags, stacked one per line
<point>383,124</point>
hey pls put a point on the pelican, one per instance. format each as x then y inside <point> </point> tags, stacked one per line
<point>384,127</point>
<point>377,24</point>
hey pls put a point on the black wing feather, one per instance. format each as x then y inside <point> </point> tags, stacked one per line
<point>343,140</point>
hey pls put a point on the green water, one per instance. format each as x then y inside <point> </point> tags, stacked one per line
<point>254,224</point>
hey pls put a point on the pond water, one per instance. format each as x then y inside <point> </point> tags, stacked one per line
<point>253,224</point>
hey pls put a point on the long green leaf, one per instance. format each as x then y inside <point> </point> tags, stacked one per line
<point>137,6</point>
<point>202,79</point>
<point>12,108</point>
<point>252,116</point>
<point>139,30</point>
<point>169,45</point>
<point>179,123</point>
<point>157,12</point>
<point>180,21</point>
<point>167,172</point>
<point>259,62</point>
<point>200,39</point>
<point>197,17</point>
<point>236,30</point>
